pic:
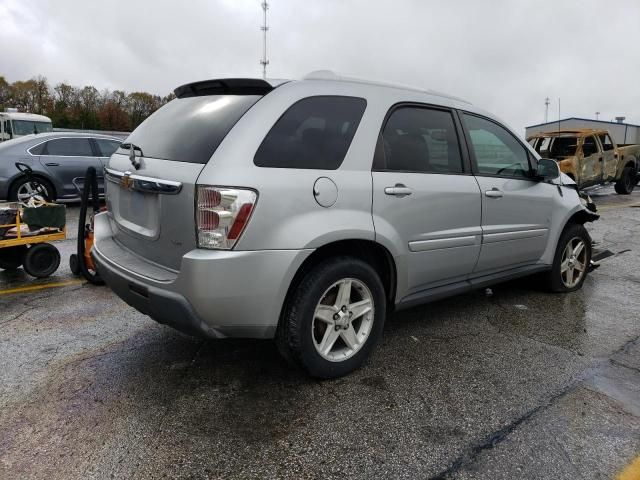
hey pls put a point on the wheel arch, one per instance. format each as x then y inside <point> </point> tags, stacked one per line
<point>581,217</point>
<point>627,161</point>
<point>369,251</point>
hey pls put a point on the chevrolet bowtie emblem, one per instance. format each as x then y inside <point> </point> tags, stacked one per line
<point>126,181</point>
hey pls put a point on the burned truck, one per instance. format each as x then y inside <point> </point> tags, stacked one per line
<point>591,157</point>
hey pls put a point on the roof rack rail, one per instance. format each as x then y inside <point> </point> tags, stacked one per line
<point>224,86</point>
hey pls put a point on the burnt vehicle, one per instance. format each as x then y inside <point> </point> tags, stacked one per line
<point>591,157</point>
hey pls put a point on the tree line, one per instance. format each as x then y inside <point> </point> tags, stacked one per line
<point>85,107</point>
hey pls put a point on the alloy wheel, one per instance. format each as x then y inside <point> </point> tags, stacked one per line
<point>31,190</point>
<point>574,262</point>
<point>342,320</point>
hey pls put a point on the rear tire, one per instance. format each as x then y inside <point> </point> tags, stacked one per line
<point>11,258</point>
<point>571,260</point>
<point>37,186</point>
<point>333,318</point>
<point>41,260</point>
<point>627,181</point>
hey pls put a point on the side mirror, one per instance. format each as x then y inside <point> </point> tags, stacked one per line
<point>548,169</point>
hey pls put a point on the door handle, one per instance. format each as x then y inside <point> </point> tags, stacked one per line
<point>52,164</point>
<point>494,193</point>
<point>399,190</point>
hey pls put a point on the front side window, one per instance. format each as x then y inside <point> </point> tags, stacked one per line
<point>106,147</point>
<point>314,133</point>
<point>68,147</point>
<point>589,146</point>
<point>607,144</point>
<point>496,150</point>
<point>417,139</point>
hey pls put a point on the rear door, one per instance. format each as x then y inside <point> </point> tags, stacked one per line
<point>425,198</point>
<point>67,159</point>
<point>152,207</point>
<point>516,210</point>
<point>591,165</point>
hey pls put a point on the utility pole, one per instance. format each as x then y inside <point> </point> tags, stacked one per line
<point>597,115</point>
<point>546,109</point>
<point>558,114</point>
<point>264,62</point>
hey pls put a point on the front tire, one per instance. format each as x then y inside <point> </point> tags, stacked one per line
<point>571,261</point>
<point>333,319</point>
<point>627,181</point>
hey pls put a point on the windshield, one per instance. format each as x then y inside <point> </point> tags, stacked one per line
<point>27,127</point>
<point>554,147</point>
<point>563,147</point>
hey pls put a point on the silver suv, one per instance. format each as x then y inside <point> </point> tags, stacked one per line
<point>306,211</point>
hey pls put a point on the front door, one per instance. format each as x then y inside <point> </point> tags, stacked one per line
<point>516,210</point>
<point>424,200</point>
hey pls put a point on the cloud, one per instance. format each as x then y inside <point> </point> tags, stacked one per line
<point>505,55</point>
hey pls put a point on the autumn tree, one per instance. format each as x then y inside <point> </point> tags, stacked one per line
<point>5,91</point>
<point>81,108</point>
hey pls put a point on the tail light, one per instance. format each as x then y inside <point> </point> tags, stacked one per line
<point>222,214</point>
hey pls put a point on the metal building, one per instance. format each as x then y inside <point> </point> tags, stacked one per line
<point>622,133</point>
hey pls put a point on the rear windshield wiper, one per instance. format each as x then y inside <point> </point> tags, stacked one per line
<point>128,146</point>
<point>132,153</point>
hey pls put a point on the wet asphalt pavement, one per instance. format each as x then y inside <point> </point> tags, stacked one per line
<point>517,384</point>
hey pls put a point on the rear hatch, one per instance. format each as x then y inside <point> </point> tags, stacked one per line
<point>152,207</point>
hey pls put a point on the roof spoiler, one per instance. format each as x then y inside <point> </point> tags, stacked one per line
<point>224,86</point>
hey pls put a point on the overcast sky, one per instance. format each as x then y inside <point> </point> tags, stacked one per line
<point>503,55</point>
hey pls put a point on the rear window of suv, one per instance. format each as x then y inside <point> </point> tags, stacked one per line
<point>189,129</point>
<point>314,133</point>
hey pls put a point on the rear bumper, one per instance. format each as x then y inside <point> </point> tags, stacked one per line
<point>216,293</point>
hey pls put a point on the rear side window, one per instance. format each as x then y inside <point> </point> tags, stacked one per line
<point>38,149</point>
<point>68,147</point>
<point>107,147</point>
<point>607,144</point>
<point>314,133</point>
<point>417,139</point>
<point>189,129</point>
